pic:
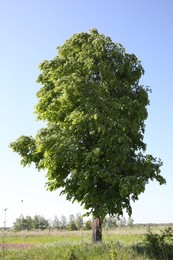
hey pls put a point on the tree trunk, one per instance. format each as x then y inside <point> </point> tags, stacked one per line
<point>97,230</point>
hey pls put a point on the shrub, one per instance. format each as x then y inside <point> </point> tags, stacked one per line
<point>157,246</point>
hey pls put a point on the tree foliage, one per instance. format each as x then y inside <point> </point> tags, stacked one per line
<point>94,109</point>
<point>28,223</point>
<point>39,222</point>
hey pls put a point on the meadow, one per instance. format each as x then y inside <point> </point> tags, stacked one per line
<point>120,243</point>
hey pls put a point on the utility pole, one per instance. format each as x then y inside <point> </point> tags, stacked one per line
<point>3,243</point>
<point>21,208</point>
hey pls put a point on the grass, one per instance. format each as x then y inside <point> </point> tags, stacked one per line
<point>121,243</point>
<point>45,237</point>
<point>106,251</point>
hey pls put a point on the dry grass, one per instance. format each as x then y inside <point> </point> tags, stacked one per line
<point>60,233</point>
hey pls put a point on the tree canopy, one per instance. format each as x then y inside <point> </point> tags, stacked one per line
<point>94,109</point>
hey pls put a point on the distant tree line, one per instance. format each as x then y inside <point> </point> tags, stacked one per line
<point>28,223</point>
<point>72,223</point>
<point>40,223</point>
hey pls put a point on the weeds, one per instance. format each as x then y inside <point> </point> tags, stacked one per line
<point>157,246</point>
<point>112,252</point>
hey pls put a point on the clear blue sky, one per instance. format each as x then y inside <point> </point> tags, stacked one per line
<point>30,31</point>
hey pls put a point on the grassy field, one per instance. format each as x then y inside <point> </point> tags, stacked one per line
<point>120,243</point>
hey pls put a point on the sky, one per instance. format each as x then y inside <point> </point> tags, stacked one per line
<point>30,32</point>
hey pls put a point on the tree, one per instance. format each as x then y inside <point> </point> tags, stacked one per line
<point>19,225</point>
<point>130,222</point>
<point>29,223</point>
<point>71,223</point>
<point>22,223</point>
<point>63,222</point>
<point>56,223</point>
<point>39,222</point>
<point>88,225</point>
<point>121,222</point>
<point>79,221</point>
<point>94,109</point>
<point>110,222</point>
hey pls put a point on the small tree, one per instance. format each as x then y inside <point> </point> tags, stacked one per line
<point>79,221</point>
<point>56,224</point>
<point>39,222</point>
<point>130,222</point>
<point>121,222</point>
<point>19,225</point>
<point>29,223</point>
<point>71,223</point>
<point>110,222</point>
<point>88,225</point>
<point>63,222</point>
<point>36,222</point>
<point>95,108</point>
<point>22,223</point>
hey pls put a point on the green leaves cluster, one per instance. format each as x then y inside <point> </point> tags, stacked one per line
<point>94,108</point>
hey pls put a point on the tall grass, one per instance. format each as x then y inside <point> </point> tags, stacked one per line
<point>119,244</point>
<point>69,251</point>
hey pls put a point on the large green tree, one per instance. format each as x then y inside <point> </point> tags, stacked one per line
<point>94,109</point>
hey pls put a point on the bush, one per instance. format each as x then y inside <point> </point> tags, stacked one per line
<point>157,246</point>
